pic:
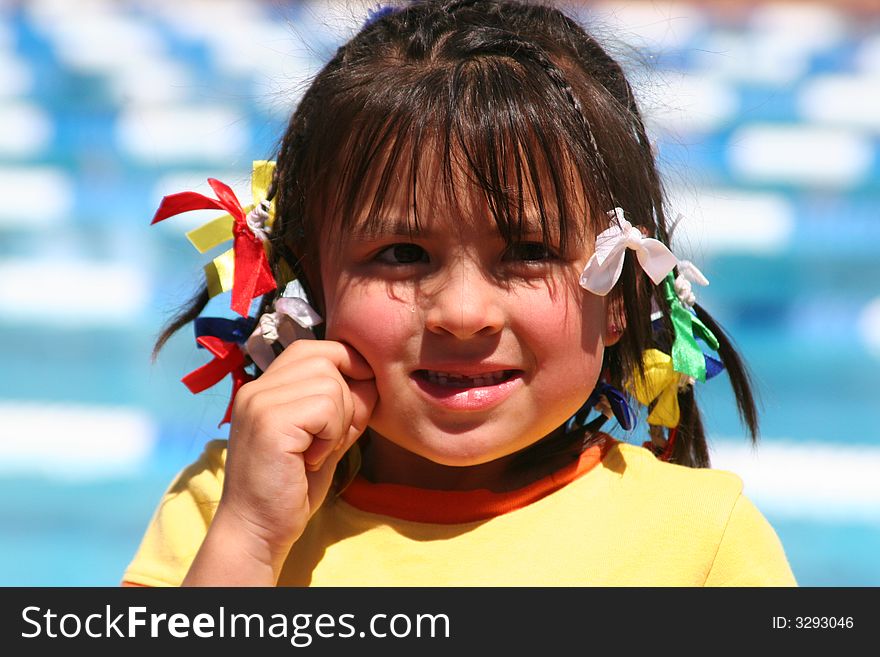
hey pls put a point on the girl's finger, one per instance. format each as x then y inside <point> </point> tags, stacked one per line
<point>353,365</point>
<point>315,376</point>
<point>346,359</point>
<point>321,416</point>
<point>364,396</point>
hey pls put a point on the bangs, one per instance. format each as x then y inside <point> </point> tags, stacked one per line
<point>481,133</point>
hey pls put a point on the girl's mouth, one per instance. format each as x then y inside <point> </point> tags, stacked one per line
<point>461,392</point>
<point>461,381</point>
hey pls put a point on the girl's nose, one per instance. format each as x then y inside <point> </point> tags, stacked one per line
<point>465,303</point>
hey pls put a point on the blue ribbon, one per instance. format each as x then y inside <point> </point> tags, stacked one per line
<point>229,330</point>
<point>714,367</point>
<point>618,402</point>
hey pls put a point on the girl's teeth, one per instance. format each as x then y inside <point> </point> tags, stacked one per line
<point>445,378</point>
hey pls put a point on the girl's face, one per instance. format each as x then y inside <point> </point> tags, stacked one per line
<point>479,348</point>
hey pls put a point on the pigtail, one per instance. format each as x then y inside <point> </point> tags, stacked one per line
<point>185,314</point>
<point>193,308</point>
<point>739,377</point>
<point>686,443</point>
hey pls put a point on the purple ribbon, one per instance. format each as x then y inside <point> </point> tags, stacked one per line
<point>378,13</point>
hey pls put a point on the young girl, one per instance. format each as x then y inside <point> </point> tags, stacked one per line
<point>466,213</point>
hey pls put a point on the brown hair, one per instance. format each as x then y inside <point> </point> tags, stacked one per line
<point>520,95</point>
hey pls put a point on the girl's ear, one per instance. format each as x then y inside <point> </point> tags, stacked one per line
<point>615,320</point>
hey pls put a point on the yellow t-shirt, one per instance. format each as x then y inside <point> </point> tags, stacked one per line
<point>618,517</point>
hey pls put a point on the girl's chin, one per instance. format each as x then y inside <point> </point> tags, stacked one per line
<point>456,449</point>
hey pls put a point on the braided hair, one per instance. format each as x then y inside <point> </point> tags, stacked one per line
<point>521,98</point>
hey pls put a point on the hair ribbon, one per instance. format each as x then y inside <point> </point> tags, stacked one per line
<point>606,264</point>
<point>244,268</point>
<point>687,356</point>
<point>228,359</point>
<point>292,319</point>
<point>659,386</point>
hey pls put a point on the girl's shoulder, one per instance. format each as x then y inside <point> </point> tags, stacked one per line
<point>690,516</point>
<point>180,521</point>
<point>203,478</point>
<point>637,469</point>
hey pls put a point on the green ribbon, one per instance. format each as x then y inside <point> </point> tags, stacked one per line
<point>687,357</point>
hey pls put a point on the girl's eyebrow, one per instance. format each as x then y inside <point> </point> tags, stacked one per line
<point>386,227</point>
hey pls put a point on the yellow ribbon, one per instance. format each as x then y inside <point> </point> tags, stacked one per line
<point>220,271</point>
<point>209,235</point>
<point>660,387</point>
<point>219,230</point>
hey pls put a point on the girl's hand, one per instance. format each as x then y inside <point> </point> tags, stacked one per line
<point>290,427</point>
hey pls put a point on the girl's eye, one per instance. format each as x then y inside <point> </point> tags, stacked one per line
<point>402,254</point>
<point>528,252</point>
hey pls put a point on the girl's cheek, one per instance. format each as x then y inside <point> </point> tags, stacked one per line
<point>371,323</point>
<point>575,317</point>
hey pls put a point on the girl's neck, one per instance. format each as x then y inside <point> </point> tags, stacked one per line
<point>386,463</point>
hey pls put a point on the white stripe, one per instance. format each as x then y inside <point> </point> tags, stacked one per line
<point>331,20</point>
<point>658,25</point>
<point>802,155</point>
<point>71,292</point>
<point>182,133</point>
<point>688,103</point>
<point>205,20</point>
<point>260,49</point>
<point>727,220</point>
<point>26,131</point>
<point>6,37</point>
<point>743,57</point>
<point>73,442</point>
<point>16,78</point>
<point>96,38</point>
<point>812,26</point>
<point>34,197</point>
<point>842,100</point>
<point>814,480</point>
<point>159,80</point>
<point>869,326</point>
<point>867,59</point>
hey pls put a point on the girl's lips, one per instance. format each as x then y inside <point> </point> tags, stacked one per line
<point>475,393</point>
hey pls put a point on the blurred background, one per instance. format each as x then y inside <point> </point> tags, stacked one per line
<point>767,123</point>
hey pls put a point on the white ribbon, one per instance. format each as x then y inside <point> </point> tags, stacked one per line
<point>256,220</point>
<point>258,349</point>
<point>605,265</point>
<point>291,321</point>
<point>688,273</point>
<point>269,327</point>
<point>293,304</point>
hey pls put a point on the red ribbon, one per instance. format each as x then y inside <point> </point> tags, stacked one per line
<point>228,359</point>
<point>666,454</point>
<point>252,276</point>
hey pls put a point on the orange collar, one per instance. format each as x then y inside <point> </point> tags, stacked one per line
<point>454,506</point>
